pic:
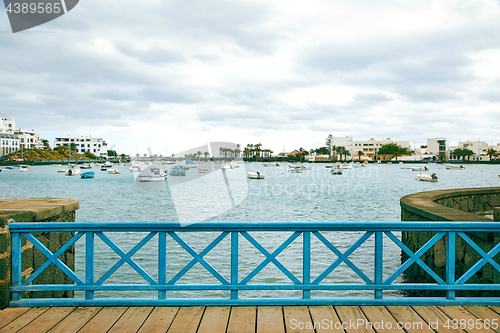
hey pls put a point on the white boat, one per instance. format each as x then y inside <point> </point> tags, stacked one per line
<point>419,168</point>
<point>154,175</point>
<point>202,170</point>
<point>255,175</point>
<point>226,167</point>
<point>114,171</point>
<point>135,168</point>
<point>342,166</point>
<point>427,178</point>
<point>295,170</point>
<point>72,172</point>
<point>85,166</point>
<point>22,169</point>
<point>302,167</point>
<point>455,167</point>
<point>336,171</point>
<point>271,165</point>
<point>403,167</point>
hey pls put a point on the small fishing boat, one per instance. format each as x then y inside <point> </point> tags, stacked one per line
<point>135,168</point>
<point>85,166</point>
<point>295,170</point>
<point>72,172</point>
<point>336,171</point>
<point>454,167</point>
<point>177,171</point>
<point>114,171</point>
<point>419,168</point>
<point>154,175</point>
<point>22,169</point>
<point>87,174</point>
<point>255,175</point>
<point>61,169</point>
<point>271,165</point>
<point>202,170</point>
<point>9,168</point>
<point>426,177</point>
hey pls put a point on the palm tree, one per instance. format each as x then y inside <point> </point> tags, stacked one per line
<point>340,151</point>
<point>173,156</point>
<point>360,153</point>
<point>491,152</point>
<point>206,154</point>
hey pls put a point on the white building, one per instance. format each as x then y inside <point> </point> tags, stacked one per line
<point>9,143</point>
<point>29,139</point>
<point>7,125</point>
<point>341,141</point>
<point>438,147</point>
<point>83,144</point>
<point>371,147</point>
<point>479,148</point>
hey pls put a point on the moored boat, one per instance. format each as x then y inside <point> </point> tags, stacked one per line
<point>336,171</point>
<point>255,175</point>
<point>72,172</point>
<point>454,167</point>
<point>419,168</point>
<point>177,171</point>
<point>271,164</point>
<point>87,174</point>
<point>426,177</point>
<point>154,175</point>
<point>114,171</point>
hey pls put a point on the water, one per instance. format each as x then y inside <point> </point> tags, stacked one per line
<point>360,194</point>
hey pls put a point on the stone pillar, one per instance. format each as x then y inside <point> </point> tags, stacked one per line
<point>35,210</point>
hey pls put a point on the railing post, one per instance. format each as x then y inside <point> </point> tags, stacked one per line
<point>89,264</point>
<point>162,263</point>
<point>450,264</point>
<point>234,263</point>
<point>16,265</point>
<point>306,261</point>
<point>379,261</point>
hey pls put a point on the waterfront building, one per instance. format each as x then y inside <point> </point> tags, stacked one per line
<point>96,146</point>
<point>371,147</point>
<point>29,139</point>
<point>7,125</point>
<point>9,143</point>
<point>438,147</point>
<point>479,148</point>
<point>341,141</point>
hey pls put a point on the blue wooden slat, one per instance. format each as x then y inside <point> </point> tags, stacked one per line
<point>16,264</point>
<point>126,258</point>
<point>198,258</point>
<point>379,262</point>
<point>162,263</point>
<point>50,256</point>
<point>234,263</point>
<point>486,258</point>
<point>89,264</point>
<point>415,258</point>
<point>47,263</point>
<point>342,257</point>
<point>306,263</point>
<point>271,258</point>
<point>261,226</point>
<point>450,263</point>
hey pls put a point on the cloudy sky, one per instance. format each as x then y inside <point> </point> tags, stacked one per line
<point>172,75</point>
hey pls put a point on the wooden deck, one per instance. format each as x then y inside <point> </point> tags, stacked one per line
<point>250,319</point>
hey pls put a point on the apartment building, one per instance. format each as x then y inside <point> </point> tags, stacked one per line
<point>371,147</point>
<point>96,146</point>
<point>9,143</point>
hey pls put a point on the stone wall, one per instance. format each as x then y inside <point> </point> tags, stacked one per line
<point>36,210</point>
<point>466,205</point>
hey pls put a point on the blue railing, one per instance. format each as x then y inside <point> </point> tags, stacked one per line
<point>236,282</point>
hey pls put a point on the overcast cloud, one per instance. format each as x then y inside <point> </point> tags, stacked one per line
<point>172,75</point>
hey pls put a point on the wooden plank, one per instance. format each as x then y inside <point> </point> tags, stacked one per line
<point>470,324</point>
<point>47,320</point>
<point>75,320</point>
<point>483,313</point>
<point>160,319</point>
<point>23,320</point>
<point>11,314</point>
<point>104,320</point>
<point>131,320</point>
<point>214,319</point>
<point>298,319</point>
<point>495,308</point>
<point>353,319</point>
<point>381,319</point>
<point>187,320</point>
<point>435,318</point>
<point>410,319</point>
<point>328,319</point>
<point>270,319</point>
<point>242,319</point>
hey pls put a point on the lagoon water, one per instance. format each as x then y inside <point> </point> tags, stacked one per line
<point>370,194</point>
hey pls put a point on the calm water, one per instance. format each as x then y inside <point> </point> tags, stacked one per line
<point>360,194</point>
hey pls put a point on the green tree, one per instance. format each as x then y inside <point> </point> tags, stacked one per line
<point>360,153</point>
<point>72,146</point>
<point>46,144</point>
<point>491,152</point>
<point>206,154</point>
<point>394,150</point>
